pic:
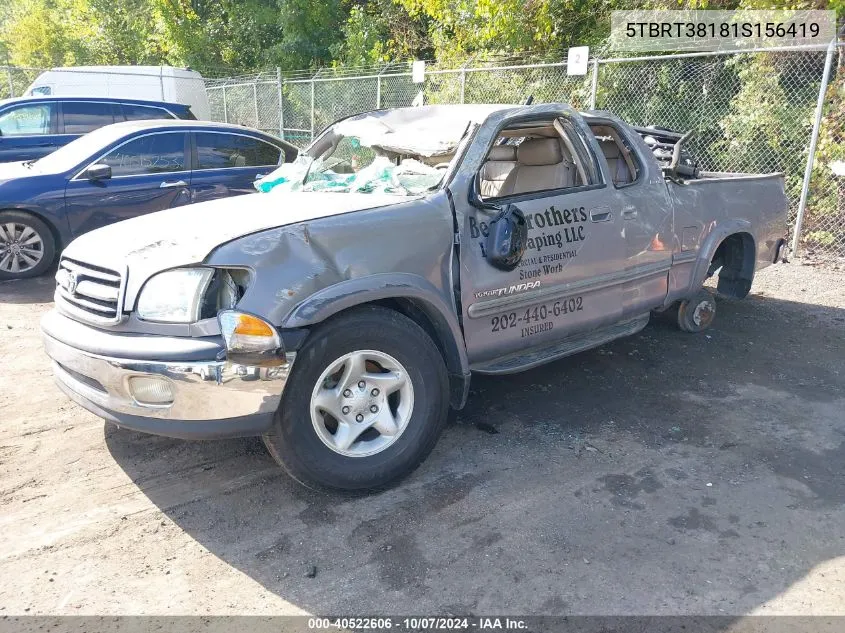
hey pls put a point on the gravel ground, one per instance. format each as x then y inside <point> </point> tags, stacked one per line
<point>665,473</point>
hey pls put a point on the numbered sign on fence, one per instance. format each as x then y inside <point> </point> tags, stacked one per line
<point>576,62</point>
<point>418,72</point>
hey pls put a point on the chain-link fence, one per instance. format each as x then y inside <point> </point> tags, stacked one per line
<point>823,228</point>
<point>751,112</point>
<point>756,112</point>
<point>253,101</point>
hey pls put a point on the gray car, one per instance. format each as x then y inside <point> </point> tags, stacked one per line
<point>342,313</point>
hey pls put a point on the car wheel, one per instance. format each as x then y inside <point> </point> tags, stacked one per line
<point>697,314</point>
<point>27,246</point>
<point>365,403</point>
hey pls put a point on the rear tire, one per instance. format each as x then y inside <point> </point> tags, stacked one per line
<point>402,405</point>
<point>697,313</point>
<point>27,246</point>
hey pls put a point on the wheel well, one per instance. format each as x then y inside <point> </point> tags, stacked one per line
<point>734,262</point>
<point>436,327</point>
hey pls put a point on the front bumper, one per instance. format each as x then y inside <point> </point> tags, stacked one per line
<point>211,398</point>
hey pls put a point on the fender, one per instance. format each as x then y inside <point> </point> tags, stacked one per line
<point>421,292</point>
<point>708,249</point>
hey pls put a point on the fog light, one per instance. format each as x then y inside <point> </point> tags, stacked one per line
<point>150,390</point>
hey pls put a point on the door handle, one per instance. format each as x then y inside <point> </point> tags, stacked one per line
<point>629,214</point>
<point>169,184</point>
<point>600,214</point>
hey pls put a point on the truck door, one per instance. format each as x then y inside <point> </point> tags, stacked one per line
<point>645,210</point>
<point>567,281</point>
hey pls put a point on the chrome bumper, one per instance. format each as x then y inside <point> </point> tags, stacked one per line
<point>210,398</point>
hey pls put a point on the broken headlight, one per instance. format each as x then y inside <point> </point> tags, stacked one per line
<point>187,295</point>
<point>225,290</point>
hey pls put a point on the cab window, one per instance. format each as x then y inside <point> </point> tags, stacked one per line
<point>535,157</point>
<point>622,162</point>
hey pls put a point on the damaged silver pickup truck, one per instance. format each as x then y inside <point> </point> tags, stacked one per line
<point>341,314</point>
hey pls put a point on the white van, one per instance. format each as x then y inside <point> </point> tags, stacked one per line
<point>156,83</point>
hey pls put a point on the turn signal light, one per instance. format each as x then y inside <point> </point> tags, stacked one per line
<point>248,325</point>
<point>250,340</point>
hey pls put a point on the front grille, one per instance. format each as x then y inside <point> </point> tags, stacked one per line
<point>89,292</point>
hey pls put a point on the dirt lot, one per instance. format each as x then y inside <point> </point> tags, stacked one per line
<point>665,473</point>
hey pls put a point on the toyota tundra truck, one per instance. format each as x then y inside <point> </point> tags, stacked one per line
<point>340,314</point>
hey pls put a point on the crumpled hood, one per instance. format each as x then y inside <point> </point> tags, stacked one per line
<point>186,235</point>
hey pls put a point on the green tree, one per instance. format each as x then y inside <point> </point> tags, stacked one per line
<point>217,35</point>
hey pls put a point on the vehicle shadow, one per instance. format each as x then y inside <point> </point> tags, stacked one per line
<point>26,291</point>
<point>666,473</point>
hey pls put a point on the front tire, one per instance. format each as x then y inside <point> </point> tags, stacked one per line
<point>365,403</point>
<point>27,246</point>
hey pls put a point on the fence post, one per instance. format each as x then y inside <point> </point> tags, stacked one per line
<point>595,87</point>
<point>463,82</point>
<point>255,101</point>
<point>811,155</point>
<point>225,106</point>
<point>312,108</point>
<point>281,103</point>
<point>11,84</point>
<point>378,91</point>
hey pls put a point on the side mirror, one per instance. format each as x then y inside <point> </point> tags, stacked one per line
<point>98,172</point>
<point>507,238</point>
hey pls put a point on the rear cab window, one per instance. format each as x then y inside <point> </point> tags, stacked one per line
<point>622,161</point>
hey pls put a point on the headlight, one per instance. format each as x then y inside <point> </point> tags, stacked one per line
<point>174,296</point>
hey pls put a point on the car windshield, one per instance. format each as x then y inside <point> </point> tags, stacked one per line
<point>352,167</point>
<point>405,152</point>
<point>77,151</point>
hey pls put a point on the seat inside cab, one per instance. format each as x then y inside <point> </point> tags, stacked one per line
<point>524,160</point>
<point>540,164</point>
<point>619,157</point>
<point>500,162</point>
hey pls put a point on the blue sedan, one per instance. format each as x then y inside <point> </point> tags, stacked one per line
<point>120,171</point>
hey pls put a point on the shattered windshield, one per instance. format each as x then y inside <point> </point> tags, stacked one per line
<point>403,151</point>
<point>352,167</point>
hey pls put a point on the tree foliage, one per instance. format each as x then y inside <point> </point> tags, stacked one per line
<point>226,36</point>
